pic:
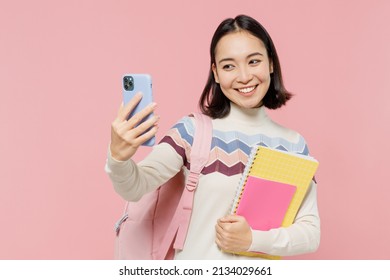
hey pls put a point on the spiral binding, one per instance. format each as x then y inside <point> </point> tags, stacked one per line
<point>244,177</point>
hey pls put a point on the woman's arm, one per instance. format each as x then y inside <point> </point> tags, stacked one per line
<point>132,180</point>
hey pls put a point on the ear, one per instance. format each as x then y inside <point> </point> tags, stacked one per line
<point>214,69</point>
<point>271,67</point>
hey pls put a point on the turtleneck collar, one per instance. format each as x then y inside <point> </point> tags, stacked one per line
<point>252,117</point>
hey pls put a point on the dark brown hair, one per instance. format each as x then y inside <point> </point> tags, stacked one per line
<point>212,101</point>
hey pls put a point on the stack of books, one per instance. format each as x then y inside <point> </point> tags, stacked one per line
<point>272,188</point>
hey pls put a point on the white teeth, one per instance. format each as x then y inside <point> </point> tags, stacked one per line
<point>246,90</point>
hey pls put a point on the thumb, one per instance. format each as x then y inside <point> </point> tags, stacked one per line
<point>230,219</point>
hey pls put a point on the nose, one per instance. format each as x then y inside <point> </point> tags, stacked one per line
<point>244,75</point>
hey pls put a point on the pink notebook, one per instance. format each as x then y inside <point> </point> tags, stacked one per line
<point>264,203</point>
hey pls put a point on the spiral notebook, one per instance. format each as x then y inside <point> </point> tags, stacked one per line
<point>275,198</point>
<point>283,179</point>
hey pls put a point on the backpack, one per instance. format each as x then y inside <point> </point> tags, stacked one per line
<point>153,227</point>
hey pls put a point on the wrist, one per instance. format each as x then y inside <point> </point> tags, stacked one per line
<point>115,156</point>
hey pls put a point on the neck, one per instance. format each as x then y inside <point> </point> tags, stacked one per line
<point>252,116</point>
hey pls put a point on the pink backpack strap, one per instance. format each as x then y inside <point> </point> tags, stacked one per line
<point>199,156</point>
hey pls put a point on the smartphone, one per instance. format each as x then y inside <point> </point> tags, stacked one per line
<point>133,83</point>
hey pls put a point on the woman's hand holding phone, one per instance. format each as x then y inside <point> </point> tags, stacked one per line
<point>128,134</point>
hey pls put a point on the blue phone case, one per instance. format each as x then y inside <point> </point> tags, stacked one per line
<point>133,83</point>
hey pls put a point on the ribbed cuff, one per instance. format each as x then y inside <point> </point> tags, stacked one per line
<point>261,241</point>
<point>117,168</point>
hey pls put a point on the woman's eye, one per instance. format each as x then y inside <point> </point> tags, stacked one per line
<point>228,67</point>
<point>255,61</point>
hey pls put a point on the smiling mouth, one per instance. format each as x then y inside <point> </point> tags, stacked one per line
<point>246,89</point>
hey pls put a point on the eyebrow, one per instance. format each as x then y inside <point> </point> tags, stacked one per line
<point>229,59</point>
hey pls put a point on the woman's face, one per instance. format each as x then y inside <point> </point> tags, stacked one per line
<point>242,68</point>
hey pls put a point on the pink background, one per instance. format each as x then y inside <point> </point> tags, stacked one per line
<point>60,69</point>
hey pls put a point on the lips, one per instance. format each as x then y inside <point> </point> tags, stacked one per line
<point>246,90</point>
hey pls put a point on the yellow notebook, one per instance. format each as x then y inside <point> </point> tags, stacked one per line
<point>282,167</point>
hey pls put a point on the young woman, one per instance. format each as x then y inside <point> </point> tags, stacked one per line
<point>245,79</point>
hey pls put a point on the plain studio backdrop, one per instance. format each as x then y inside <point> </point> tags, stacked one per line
<point>61,64</point>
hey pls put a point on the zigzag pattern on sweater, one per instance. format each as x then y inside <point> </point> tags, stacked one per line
<point>229,150</point>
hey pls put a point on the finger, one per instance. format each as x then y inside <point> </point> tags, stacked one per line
<point>142,127</point>
<point>218,242</point>
<point>147,135</point>
<point>125,110</point>
<point>137,139</point>
<point>220,223</point>
<point>222,228</point>
<point>221,242</point>
<point>219,236</point>
<point>142,115</point>
<point>218,228</point>
<point>218,239</point>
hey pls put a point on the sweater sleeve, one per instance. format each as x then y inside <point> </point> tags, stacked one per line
<point>132,180</point>
<point>303,236</point>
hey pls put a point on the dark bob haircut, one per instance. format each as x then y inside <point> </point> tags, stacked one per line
<point>212,101</point>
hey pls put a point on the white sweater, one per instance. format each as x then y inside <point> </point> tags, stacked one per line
<point>233,138</point>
